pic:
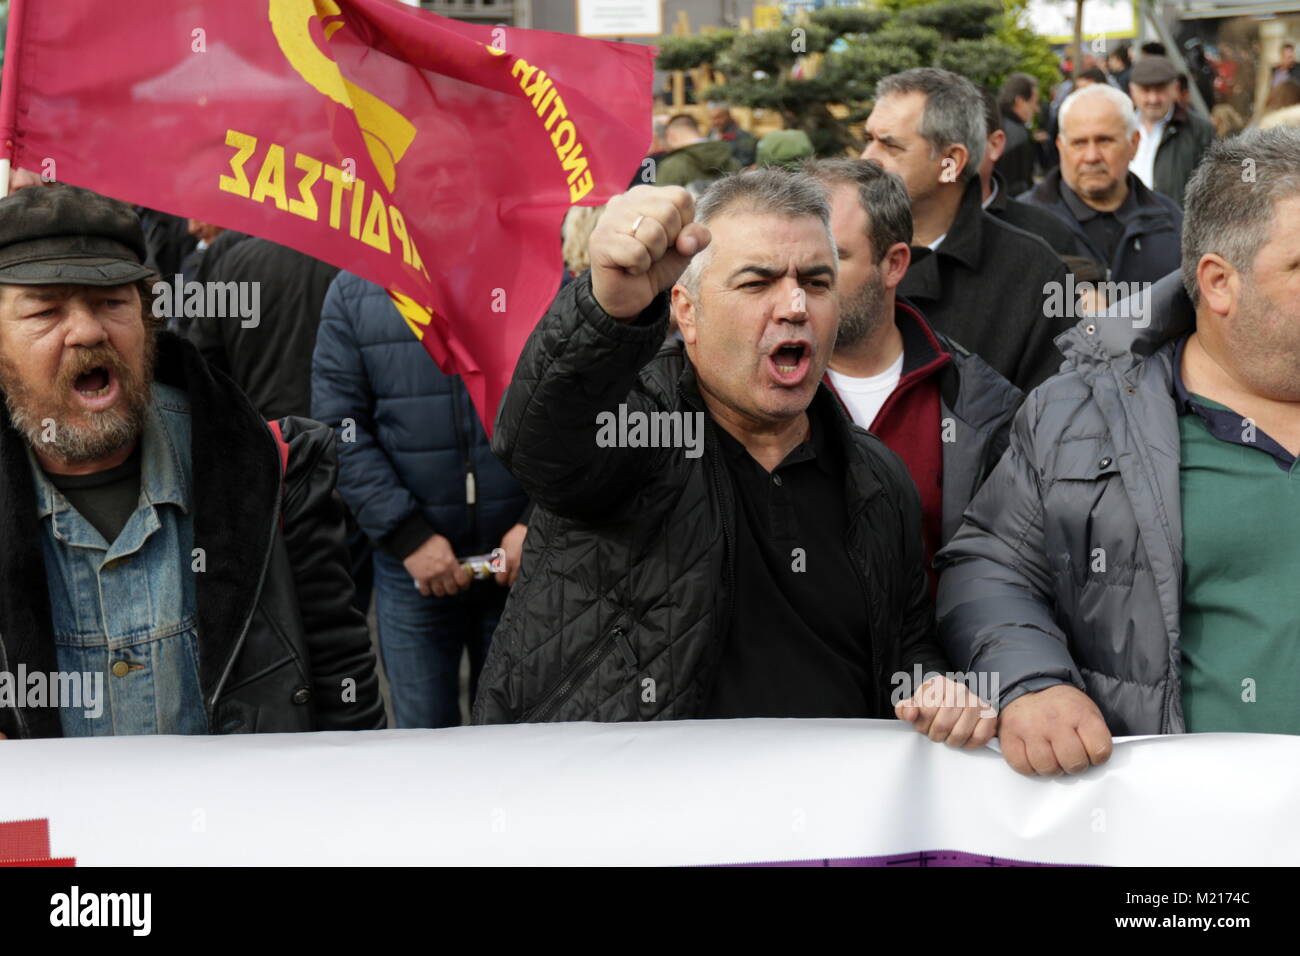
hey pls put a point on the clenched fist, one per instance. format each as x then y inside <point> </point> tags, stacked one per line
<point>1052,731</point>
<point>641,246</point>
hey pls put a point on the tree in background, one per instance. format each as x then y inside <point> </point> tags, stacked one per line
<point>984,40</point>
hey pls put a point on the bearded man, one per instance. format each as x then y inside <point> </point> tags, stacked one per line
<point>161,543</point>
<point>940,408</point>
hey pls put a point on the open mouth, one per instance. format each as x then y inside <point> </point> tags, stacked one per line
<point>789,361</point>
<point>97,388</point>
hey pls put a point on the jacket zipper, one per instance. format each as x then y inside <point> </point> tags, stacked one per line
<point>580,672</point>
<point>464,444</point>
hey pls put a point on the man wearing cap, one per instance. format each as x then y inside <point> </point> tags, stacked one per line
<point>160,541</point>
<point>1173,138</point>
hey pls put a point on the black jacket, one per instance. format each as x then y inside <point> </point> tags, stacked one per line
<point>1183,142</point>
<point>985,287</point>
<point>1017,161</point>
<point>271,361</point>
<point>1038,221</point>
<point>1151,247</point>
<point>278,638</point>
<point>624,600</point>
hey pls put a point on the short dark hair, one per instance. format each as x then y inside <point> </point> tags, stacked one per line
<point>1121,53</point>
<point>682,119</point>
<point>1288,46</point>
<point>1093,74</point>
<point>882,194</point>
<point>1154,49</point>
<point>1017,86</point>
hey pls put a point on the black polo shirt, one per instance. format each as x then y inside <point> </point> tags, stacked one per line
<point>1105,230</point>
<point>798,644</point>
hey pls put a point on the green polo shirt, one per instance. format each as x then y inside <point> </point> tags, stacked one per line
<point>1241,571</point>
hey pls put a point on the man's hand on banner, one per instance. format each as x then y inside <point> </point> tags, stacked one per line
<point>434,568</point>
<point>512,543</point>
<point>949,712</point>
<point>641,246</point>
<point>1053,731</point>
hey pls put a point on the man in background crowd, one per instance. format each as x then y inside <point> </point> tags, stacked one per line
<point>975,278</point>
<point>723,126</point>
<point>1173,138</point>
<point>938,407</point>
<point>1134,232</point>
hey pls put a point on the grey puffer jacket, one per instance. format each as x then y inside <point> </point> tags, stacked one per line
<point>626,586</point>
<point>1068,568</point>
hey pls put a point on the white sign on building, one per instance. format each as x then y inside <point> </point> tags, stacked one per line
<point>620,18</point>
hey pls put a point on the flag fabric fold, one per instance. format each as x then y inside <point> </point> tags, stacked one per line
<point>433,157</point>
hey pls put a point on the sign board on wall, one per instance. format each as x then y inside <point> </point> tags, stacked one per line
<point>620,18</point>
<point>1112,19</point>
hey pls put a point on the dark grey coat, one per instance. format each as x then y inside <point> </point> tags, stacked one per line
<point>1091,473</point>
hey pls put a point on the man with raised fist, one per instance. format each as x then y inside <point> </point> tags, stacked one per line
<point>778,573</point>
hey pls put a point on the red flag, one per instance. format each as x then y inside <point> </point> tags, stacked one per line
<point>433,157</point>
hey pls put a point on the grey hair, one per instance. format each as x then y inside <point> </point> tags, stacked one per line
<point>882,195</point>
<point>1232,196</point>
<point>1117,99</point>
<point>772,191</point>
<point>953,112</point>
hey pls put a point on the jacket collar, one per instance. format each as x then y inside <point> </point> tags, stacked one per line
<point>236,496</point>
<point>1129,330</point>
<point>963,243</point>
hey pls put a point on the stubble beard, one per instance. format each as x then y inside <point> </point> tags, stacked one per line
<point>861,315</point>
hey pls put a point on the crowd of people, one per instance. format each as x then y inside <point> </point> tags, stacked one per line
<point>1014,392</point>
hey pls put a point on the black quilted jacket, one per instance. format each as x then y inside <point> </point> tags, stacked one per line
<point>625,592</point>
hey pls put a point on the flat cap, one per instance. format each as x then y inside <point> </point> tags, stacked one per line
<point>54,235</point>
<point>1153,71</point>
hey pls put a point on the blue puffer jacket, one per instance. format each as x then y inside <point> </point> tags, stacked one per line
<point>419,463</point>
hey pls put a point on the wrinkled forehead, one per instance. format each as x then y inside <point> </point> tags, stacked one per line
<point>773,242</point>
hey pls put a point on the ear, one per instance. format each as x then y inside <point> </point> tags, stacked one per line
<point>997,144</point>
<point>1133,145</point>
<point>684,313</point>
<point>955,157</point>
<point>1219,284</point>
<point>894,266</point>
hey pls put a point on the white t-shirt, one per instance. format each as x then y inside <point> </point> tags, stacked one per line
<point>864,397</point>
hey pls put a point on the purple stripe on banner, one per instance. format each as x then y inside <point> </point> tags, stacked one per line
<point>923,858</point>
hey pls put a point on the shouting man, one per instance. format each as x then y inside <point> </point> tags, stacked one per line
<point>775,569</point>
<point>160,542</point>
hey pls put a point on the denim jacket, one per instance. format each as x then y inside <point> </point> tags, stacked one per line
<point>127,609</point>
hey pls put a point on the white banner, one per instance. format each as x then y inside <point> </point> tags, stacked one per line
<point>673,793</point>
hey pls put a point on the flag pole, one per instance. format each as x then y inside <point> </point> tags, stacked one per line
<point>9,92</point>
